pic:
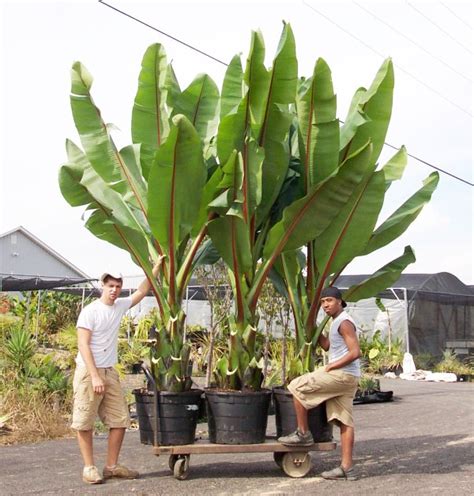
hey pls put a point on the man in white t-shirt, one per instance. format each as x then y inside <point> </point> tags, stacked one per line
<point>97,389</point>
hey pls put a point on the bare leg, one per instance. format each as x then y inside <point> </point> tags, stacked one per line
<point>116,435</point>
<point>85,445</point>
<point>347,445</point>
<point>301,416</point>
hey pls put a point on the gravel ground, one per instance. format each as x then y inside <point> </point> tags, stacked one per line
<point>421,443</point>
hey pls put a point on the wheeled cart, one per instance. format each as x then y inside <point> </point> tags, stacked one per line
<point>295,461</point>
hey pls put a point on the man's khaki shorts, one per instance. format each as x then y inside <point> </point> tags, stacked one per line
<point>336,388</point>
<point>111,407</point>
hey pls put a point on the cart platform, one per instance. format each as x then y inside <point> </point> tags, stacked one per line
<point>295,461</point>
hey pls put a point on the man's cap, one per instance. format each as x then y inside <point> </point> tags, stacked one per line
<point>113,274</point>
<point>333,292</point>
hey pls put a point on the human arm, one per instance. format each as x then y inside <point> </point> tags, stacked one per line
<point>83,341</point>
<point>144,287</point>
<point>348,333</point>
<point>323,341</point>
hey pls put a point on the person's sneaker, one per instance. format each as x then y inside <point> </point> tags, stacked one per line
<point>120,472</point>
<point>297,438</point>
<point>339,473</point>
<point>91,475</point>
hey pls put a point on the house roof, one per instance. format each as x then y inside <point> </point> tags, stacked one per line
<point>47,248</point>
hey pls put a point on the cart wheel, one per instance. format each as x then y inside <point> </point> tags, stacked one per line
<point>296,464</point>
<point>278,458</point>
<point>171,461</point>
<point>181,468</point>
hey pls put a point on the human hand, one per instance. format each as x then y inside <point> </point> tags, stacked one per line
<point>98,385</point>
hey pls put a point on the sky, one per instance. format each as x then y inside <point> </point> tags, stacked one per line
<point>431,44</point>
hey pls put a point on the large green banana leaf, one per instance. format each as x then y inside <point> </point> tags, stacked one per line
<point>350,231</point>
<point>98,145</point>
<point>80,185</point>
<point>395,167</point>
<point>70,177</point>
<point>173,204</point>
<point>199,103</point>
<point>375,107</point>
<point>262,112</point>
<point>229,235</point>
<point>257,81</point>
<point>236,127</point>
<point>173,89</point>
<point>355,118</point>
<point>401,219</point>
<point>232,87</point>
<point>103,225</point>
<point>92,188</point>
<point>385,277</point>
<point>273,130</point>
<point>150,125</point>
<point>308,217</point>
<point>318,126</point>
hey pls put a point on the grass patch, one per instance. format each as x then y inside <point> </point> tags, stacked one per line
<point>31,416</point>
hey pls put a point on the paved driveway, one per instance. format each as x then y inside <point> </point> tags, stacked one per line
<point>420,444</point>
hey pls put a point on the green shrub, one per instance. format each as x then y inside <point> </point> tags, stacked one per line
<point>8,322</point>
<point>19,349</point>
<point>131,353</point>
<point>378,356</point>
<point>450,363</point>
<point>424,361</point>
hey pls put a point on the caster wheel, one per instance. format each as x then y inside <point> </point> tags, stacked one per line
<point>278,458</point>
<point>181,468</point>
<point>171,461</point>
<point>296,464</point>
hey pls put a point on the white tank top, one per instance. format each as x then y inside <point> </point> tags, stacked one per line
<point>338,347</point>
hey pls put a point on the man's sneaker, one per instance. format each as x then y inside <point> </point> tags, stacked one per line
<point>120,472</point>
<point>339,473</point>
<point>91,475</point>
<point>297,438</point>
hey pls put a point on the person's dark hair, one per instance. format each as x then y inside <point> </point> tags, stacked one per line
<point>333,292</point>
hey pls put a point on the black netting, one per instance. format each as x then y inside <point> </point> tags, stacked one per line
<point>34,283</point>
<point>440,308</point>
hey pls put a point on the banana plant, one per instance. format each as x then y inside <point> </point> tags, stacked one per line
<point>324,151</point>
<point>150,197</point>
<point>253,155</point>
<point>311,182</point>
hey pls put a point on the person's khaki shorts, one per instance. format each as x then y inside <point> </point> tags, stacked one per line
<point>111,407</point>
<point>336,388</point>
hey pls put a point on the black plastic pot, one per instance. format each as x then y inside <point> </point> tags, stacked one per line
<point>285,419</point>
<point>373,397</point>
<point>237,417</point>
<point>177,416</point>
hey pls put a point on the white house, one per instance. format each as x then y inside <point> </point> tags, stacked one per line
<point>27,263</point>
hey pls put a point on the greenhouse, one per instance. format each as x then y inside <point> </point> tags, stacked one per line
<point>430,312</point>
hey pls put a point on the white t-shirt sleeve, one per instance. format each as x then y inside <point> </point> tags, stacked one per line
<point>86,319</point>
<point>124,303</point>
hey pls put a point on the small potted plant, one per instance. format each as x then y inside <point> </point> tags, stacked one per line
<point>451,364</point>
